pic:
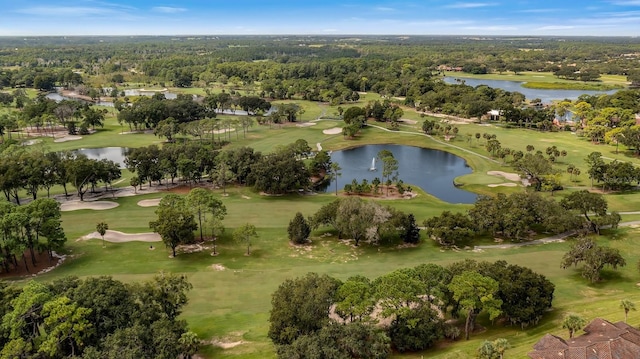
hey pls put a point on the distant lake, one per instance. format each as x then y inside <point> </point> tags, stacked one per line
<point>58,97</point>
<point>431,170</point>
<point>547,96</point>
<point>115,154</point>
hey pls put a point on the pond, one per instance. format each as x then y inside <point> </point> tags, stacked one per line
<point>115,154</point>
<point>58,97</point>
<point>547,96</point>
<point>431,170</point>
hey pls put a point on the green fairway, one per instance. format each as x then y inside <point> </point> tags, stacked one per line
<point>230,301</point>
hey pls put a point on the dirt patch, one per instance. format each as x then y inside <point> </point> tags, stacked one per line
<point>333,131</point>
<point>121,237</point>
<point>507,175</point>
<point>218,267</point>
<point>68,138</point>
<point>93,205</point>
<point>43,265</point>
<point>149,202</point>
<point>509,184</point>
<point>179,189</point>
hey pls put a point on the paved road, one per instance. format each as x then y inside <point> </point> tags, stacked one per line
<point>553,239</point>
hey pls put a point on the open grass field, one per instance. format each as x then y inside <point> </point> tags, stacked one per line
<point>232,305</point>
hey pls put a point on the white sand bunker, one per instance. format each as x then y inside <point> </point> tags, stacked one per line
<point>121,237</point>
<point>333,131</point>
<point>509,176</point>
<point>31,142</point>
<point>68,138</point>
<point>94,205</point>
<point>306,124</point>
<point>223,130</point>
<point>410,122</point>
<point>149,202</point>
<point>509,184</point>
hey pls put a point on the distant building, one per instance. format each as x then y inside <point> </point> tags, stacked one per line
<point>602,340</point>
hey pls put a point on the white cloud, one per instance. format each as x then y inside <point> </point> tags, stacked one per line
<point>384,9</point>
<point>168,9</point>
<point>66,11</point>
<point>540,11</point>
<point>469,5</point>
<point>555,27</point>
<point>627,2</point>
<point>494,28</point>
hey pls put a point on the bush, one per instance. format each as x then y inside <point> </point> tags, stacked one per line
<point>299,229</point>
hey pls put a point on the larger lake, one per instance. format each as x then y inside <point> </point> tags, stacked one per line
<point>547,96</point>
<point>431,170</point>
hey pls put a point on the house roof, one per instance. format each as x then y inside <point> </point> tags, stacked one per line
<point>602,340</point>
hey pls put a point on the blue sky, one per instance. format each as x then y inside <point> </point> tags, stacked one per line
<point>436,17</point>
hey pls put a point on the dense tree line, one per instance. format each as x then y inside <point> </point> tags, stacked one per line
<point>96,318</point>
<point>278,172</point>
<point>404,310</point>
<point>519,215</point>
<point>34,170</point>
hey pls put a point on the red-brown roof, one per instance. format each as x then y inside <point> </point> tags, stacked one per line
<point>602,340</point>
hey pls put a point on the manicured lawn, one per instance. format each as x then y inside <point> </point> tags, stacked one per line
<point>233,304</point>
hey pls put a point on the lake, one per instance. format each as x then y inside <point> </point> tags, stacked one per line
<point>431,170</point>
<point>547,96</point>
<point>115,154</point>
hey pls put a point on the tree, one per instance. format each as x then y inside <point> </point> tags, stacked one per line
<point>573,322</point>
<point>244,234</point>
<point>335,173</point>
<point>299,229</point>
<point>594,257</point>
<point>475,292</point>
<point>203,202</point>
<point>64,323</point>
<point>300,307</point>
<point>102,228</point>
<point>354,298</point>
<point>353,340</point>
<point>389,166</point>
<point>410,231</point>
<point>627,305</point>
<point>586,203</point>
<point>494,349</point>
<point>417,329</point>
<point>175,223</point>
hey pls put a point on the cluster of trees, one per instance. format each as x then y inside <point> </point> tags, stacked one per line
<point>33,227</point>
<point>335,319</point>
<point>45,115</point>
<point>614,175</point>
<point>96,318</point>
<point>179,216</point>
<point>519,215</point>
<point>33,170</point>
<point>359,219</point>
<point>281,171</point>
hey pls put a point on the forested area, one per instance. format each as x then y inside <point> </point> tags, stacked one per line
<point>96,318</point>
<point>403,310</point>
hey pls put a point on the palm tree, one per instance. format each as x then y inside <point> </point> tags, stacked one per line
<point>573,322</point>
<point>500,345</point>
<point>102,229</point>
<point>627,305</point>
<point>335,173</point>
